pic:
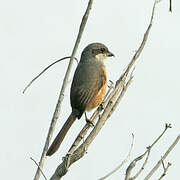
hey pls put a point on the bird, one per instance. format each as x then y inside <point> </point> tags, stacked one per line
<point>88,87</point>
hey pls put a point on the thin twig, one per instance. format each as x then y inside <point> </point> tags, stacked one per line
<point>123,91</point>
<point>167,126</point>
<point>143,166</point>
<point>122,163</point>
<point>44,71</point>
<point>165,169</point>
<point>110,87</point>
<point>138,52</point>
<point>38,167</point>
<point>141,47</point>
<point>87,126</point>
<point>133,163</point>
<point>61,95</point>
<point>163,158</point>
<point>170,5</point>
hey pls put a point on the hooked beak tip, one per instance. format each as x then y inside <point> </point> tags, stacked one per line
<point>110,54</point>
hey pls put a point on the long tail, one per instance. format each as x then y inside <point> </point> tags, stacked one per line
<point>62,133</point>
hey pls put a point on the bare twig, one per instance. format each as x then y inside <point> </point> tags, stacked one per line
<point>125,87</point>
<point>141,47</point>
<point>165,169</point>
<point>133,163</point>
<point>110,87</point>
<point>61,96</point>
<point>163,158</point>
<point>122,163</point>
<point>45,70</point>
<point>39,168</point>
<point>170,5</point>
<point>167,126</point>
<point>143,166</point>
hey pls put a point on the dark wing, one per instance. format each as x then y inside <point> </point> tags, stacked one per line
<point>88,80</point>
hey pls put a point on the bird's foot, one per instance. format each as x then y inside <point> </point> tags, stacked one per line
<point>88,120</point>
<point>90,123</point>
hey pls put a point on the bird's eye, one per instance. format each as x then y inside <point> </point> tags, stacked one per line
<point>102,50</point>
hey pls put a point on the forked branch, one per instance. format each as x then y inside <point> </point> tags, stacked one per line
<point>146,153</point>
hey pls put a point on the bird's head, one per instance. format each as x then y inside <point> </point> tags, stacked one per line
<point>96,51</point>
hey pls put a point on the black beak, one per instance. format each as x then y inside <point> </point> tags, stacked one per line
<point>110,54</point>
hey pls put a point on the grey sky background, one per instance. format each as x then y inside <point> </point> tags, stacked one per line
<point>35,33</point>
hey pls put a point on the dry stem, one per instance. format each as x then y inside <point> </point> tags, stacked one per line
<point>163,158</point>
<point>133,163</point>
<point>165,169</point>
<point>38,167</point>
<point>44,71</point>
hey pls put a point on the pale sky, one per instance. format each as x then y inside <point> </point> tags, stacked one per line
<point>36,33</point>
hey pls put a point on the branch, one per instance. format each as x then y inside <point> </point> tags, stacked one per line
<point>125,87</point>
<point>165,169</point>
<point>61,96</point>
<point>133,163</point>
<point>39,168</point>
<point>170,5</point>
<point>45,70</point>
<point>163,158</point>
<point>122,163</point>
